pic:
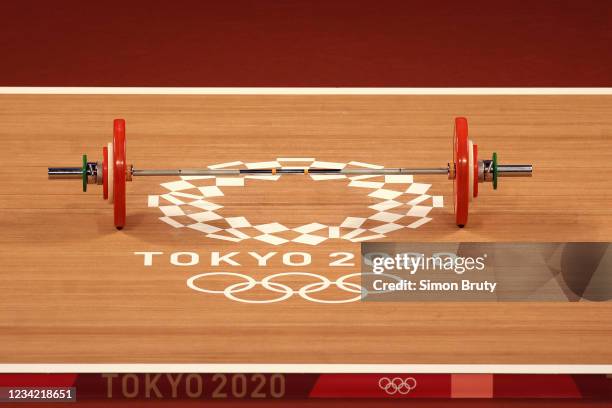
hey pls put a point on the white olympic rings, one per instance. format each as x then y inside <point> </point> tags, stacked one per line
<point>397,385</point>
<point>285,291</point>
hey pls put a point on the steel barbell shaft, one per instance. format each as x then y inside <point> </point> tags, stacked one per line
<point>71,172</point>
<point>76,172</point>
<point>504,170</point>
<point>226,172</point>
<point>65,172</point>
<point>514,170</point>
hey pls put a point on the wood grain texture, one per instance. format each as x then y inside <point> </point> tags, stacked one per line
<point>73,291</point>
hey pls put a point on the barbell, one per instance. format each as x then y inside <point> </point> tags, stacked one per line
<point>466,170</point>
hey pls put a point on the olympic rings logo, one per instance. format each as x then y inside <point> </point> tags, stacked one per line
<point>283,291</point>
<point>397,385</point>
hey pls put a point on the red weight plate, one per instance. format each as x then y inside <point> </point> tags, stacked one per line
<point>462,178</point>
<point>119,170</point>
<point>105,172</point>
<point>475,171</point>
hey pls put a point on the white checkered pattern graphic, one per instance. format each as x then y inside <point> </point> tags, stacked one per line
<point>402,203</point>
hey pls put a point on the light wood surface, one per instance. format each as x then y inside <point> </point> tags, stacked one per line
<point>73,291</point>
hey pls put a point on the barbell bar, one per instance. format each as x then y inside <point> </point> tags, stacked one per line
<point>466,170</point>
